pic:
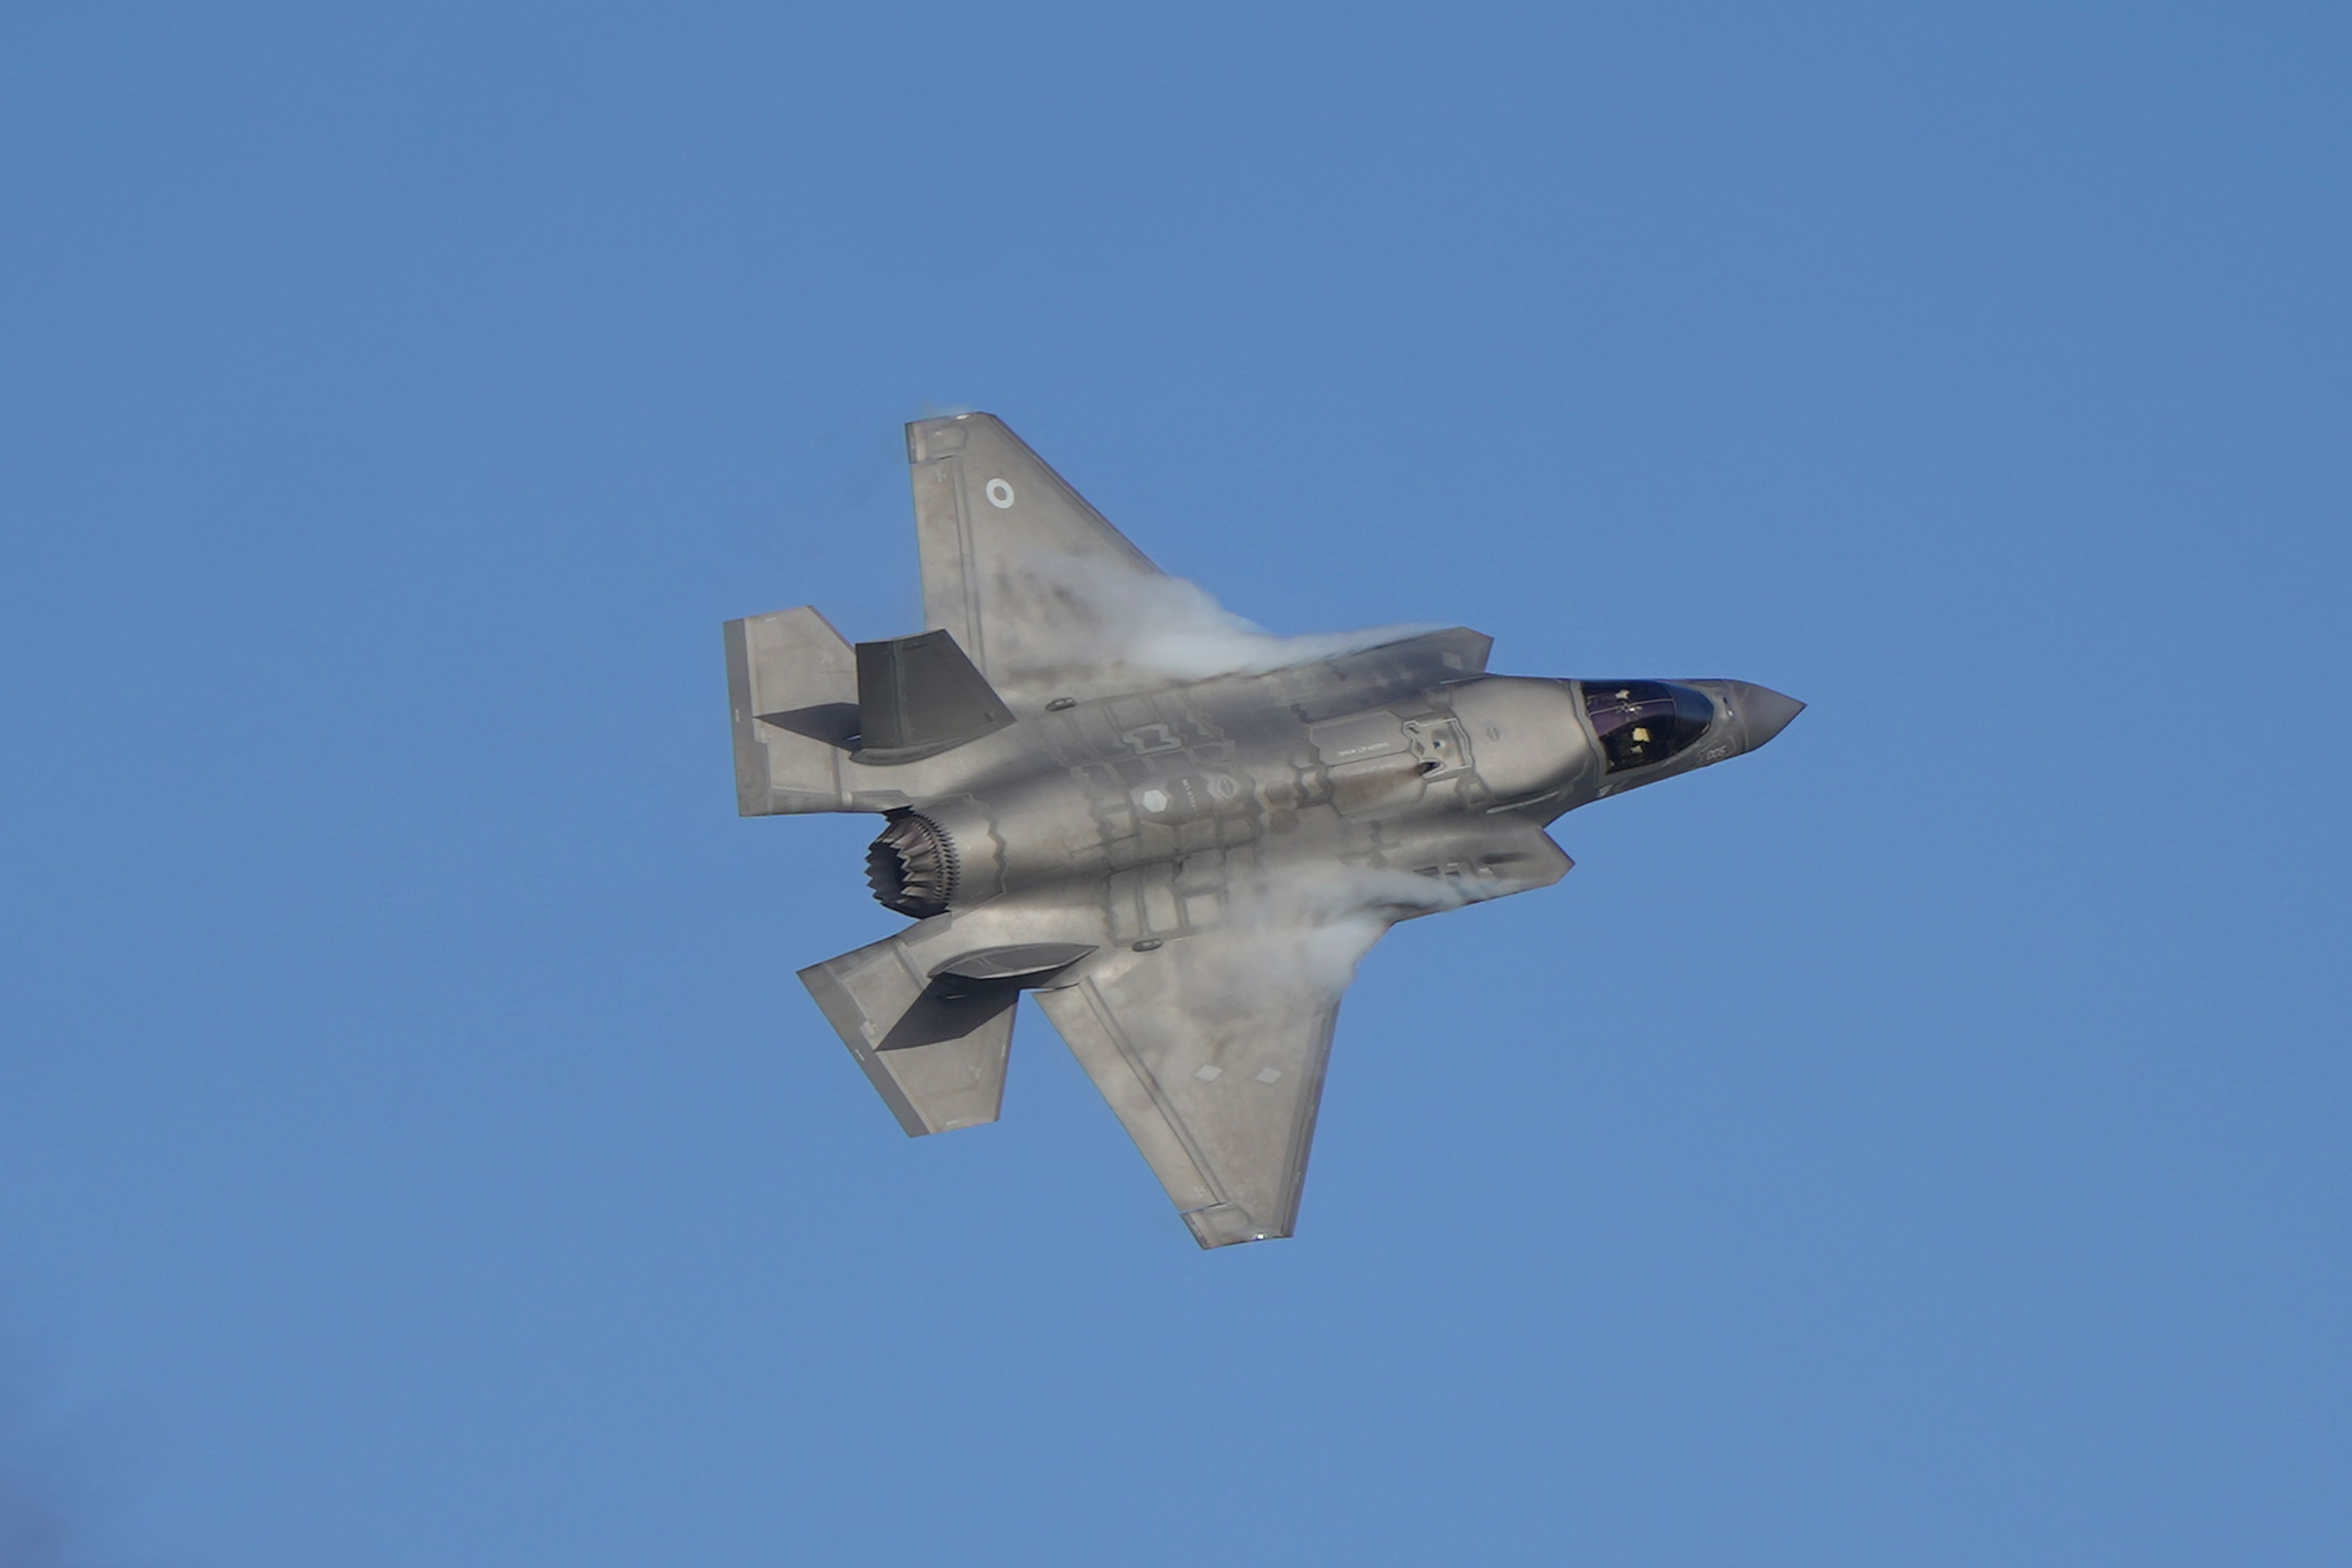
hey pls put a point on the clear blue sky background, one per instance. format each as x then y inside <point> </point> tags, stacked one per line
<point>1923,1142</point>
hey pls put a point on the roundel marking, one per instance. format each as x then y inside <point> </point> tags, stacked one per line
<point>1000,494</point>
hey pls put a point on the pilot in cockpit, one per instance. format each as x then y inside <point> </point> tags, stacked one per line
<point>1642,723</point>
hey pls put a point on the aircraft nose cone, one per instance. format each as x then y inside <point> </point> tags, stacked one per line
<point>1763,712</point>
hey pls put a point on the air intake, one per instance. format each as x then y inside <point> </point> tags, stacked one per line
<point>912,866</point>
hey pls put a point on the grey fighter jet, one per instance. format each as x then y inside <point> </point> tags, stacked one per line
<point>1178,832</point>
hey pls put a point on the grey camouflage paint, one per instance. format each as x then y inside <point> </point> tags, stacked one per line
<point>1183,867</point>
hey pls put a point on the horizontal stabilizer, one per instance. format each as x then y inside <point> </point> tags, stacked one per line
<point>919,696</point>
<point>934,1047</point>
<point>791,683</point>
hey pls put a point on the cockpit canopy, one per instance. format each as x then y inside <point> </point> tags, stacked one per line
<point>1644,722</point>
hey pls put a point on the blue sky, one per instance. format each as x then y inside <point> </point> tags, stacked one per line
<point>1921,1141</point>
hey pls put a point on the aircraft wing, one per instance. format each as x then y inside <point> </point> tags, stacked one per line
<point>1050,601</point>
<point>1211,1049</point>
<point>1030,579</point>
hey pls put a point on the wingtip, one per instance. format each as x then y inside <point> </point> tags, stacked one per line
<point>924,436</point>
<point>1229,1224</point>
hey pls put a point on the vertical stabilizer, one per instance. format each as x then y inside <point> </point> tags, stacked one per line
<point>791,684</point>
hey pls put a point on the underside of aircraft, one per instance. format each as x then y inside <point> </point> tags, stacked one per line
<point>1178,832</point>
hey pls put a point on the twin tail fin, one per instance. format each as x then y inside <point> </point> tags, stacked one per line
<point>803,703</point>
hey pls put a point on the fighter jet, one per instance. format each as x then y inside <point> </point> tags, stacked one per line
<point>1177,833</point>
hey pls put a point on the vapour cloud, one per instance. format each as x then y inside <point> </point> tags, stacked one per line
<point>1069,625</point>
<point>1313,922</point>
<point>1102,623</point>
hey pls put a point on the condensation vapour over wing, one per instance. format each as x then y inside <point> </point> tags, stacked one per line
<point>1156,628</point>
